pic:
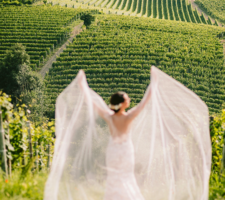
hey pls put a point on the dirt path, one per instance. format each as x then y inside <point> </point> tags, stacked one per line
<point>224,50</point>
<point>194,5</point>
<point>77,29</point>
<point>223,42</point>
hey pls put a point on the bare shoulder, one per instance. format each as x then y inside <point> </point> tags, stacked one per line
<point>120,115</point>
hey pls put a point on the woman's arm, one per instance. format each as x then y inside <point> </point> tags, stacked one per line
<point>132,113</point>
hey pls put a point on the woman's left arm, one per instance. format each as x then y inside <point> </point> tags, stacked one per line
<point>85,88</point>
<point>134,112</point>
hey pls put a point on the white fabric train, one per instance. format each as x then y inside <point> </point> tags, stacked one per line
<point>170,138</point>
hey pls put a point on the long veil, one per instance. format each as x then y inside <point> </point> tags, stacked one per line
<point>170,136</point>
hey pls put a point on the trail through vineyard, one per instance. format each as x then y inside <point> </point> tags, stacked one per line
<point>194,5</point>
<point>77,29</point>
<point>223,41</point>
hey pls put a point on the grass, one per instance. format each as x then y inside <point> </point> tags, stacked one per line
<point>30,187</point>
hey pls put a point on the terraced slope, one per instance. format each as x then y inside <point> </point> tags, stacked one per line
<point>178,10</point>
<point>215,8</point>
<point>118,52</point>
<point>38,28</point>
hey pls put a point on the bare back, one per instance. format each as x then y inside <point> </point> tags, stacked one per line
<point>119,125</point>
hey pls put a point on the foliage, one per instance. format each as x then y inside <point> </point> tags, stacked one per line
<point>214,8</point>
<point>15,125</point>
<point>15,57</point>
<point>18,134</point>
<point>19,80</point>
<point>217,177</point>
<point>217,186</point>
<point>39,28</point>
<point>88,18</point>
<point>6,108</point>
<point>11,3</point>
<point>31,187</point>
<point>217,132</point>
<point>38,104</point>
<point>27,79</point>
<point>26,170</point>
<point>31,92</point>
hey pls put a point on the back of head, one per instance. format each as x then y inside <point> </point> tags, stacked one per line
<point>116,99</point>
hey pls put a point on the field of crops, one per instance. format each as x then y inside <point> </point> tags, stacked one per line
<point>215,8</point>
<point>118,52</point>
<point>38,28</point>
<point>178,10</point>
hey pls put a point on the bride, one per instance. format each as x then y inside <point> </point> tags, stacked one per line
<point>121,183</point>
<point>159,149</point>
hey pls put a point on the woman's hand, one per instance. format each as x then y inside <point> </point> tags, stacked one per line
<point>81,76</point>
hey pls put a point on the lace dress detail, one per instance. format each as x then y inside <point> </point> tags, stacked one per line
<point>121,183</point>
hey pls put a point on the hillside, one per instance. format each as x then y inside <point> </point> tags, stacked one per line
<point>215,8</point>
<point>39,28</point>
<point>118,51</point>
<point>178,10</point>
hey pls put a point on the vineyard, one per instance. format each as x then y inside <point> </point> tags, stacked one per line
<point>40,29</point>
<point>178,10</point>
<point>23,140</point>
<point>118,51</point>
<point>214,8</point>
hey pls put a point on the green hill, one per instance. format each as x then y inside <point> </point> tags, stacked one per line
<point>39,28</point>
<point>118,51</point>
<point>215,8</point>
<point>178,10</point>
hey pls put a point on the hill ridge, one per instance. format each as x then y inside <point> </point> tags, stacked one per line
<point>177,10</point>
<point>201,11</point>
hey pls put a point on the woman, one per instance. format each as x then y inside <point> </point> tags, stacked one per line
<point>121,183</point>
<point>160,149</point>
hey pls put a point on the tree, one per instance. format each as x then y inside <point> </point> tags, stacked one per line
<point>15,57</point>
<point>32,92</point>
<point>88,18</point>
<point>28,80</point>
<point>18,80</point>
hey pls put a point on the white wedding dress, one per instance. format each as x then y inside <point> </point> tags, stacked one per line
<point>121,182</point>
<point>164,155</point>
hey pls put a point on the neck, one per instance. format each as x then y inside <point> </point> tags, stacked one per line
<point>121,111</point>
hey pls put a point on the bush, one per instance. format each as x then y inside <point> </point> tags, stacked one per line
<point>88,18</point>
<point>217,132</point>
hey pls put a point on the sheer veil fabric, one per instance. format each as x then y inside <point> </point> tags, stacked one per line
<point>171,140</point>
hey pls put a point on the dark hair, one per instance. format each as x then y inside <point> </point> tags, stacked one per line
<point>116,99</point>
